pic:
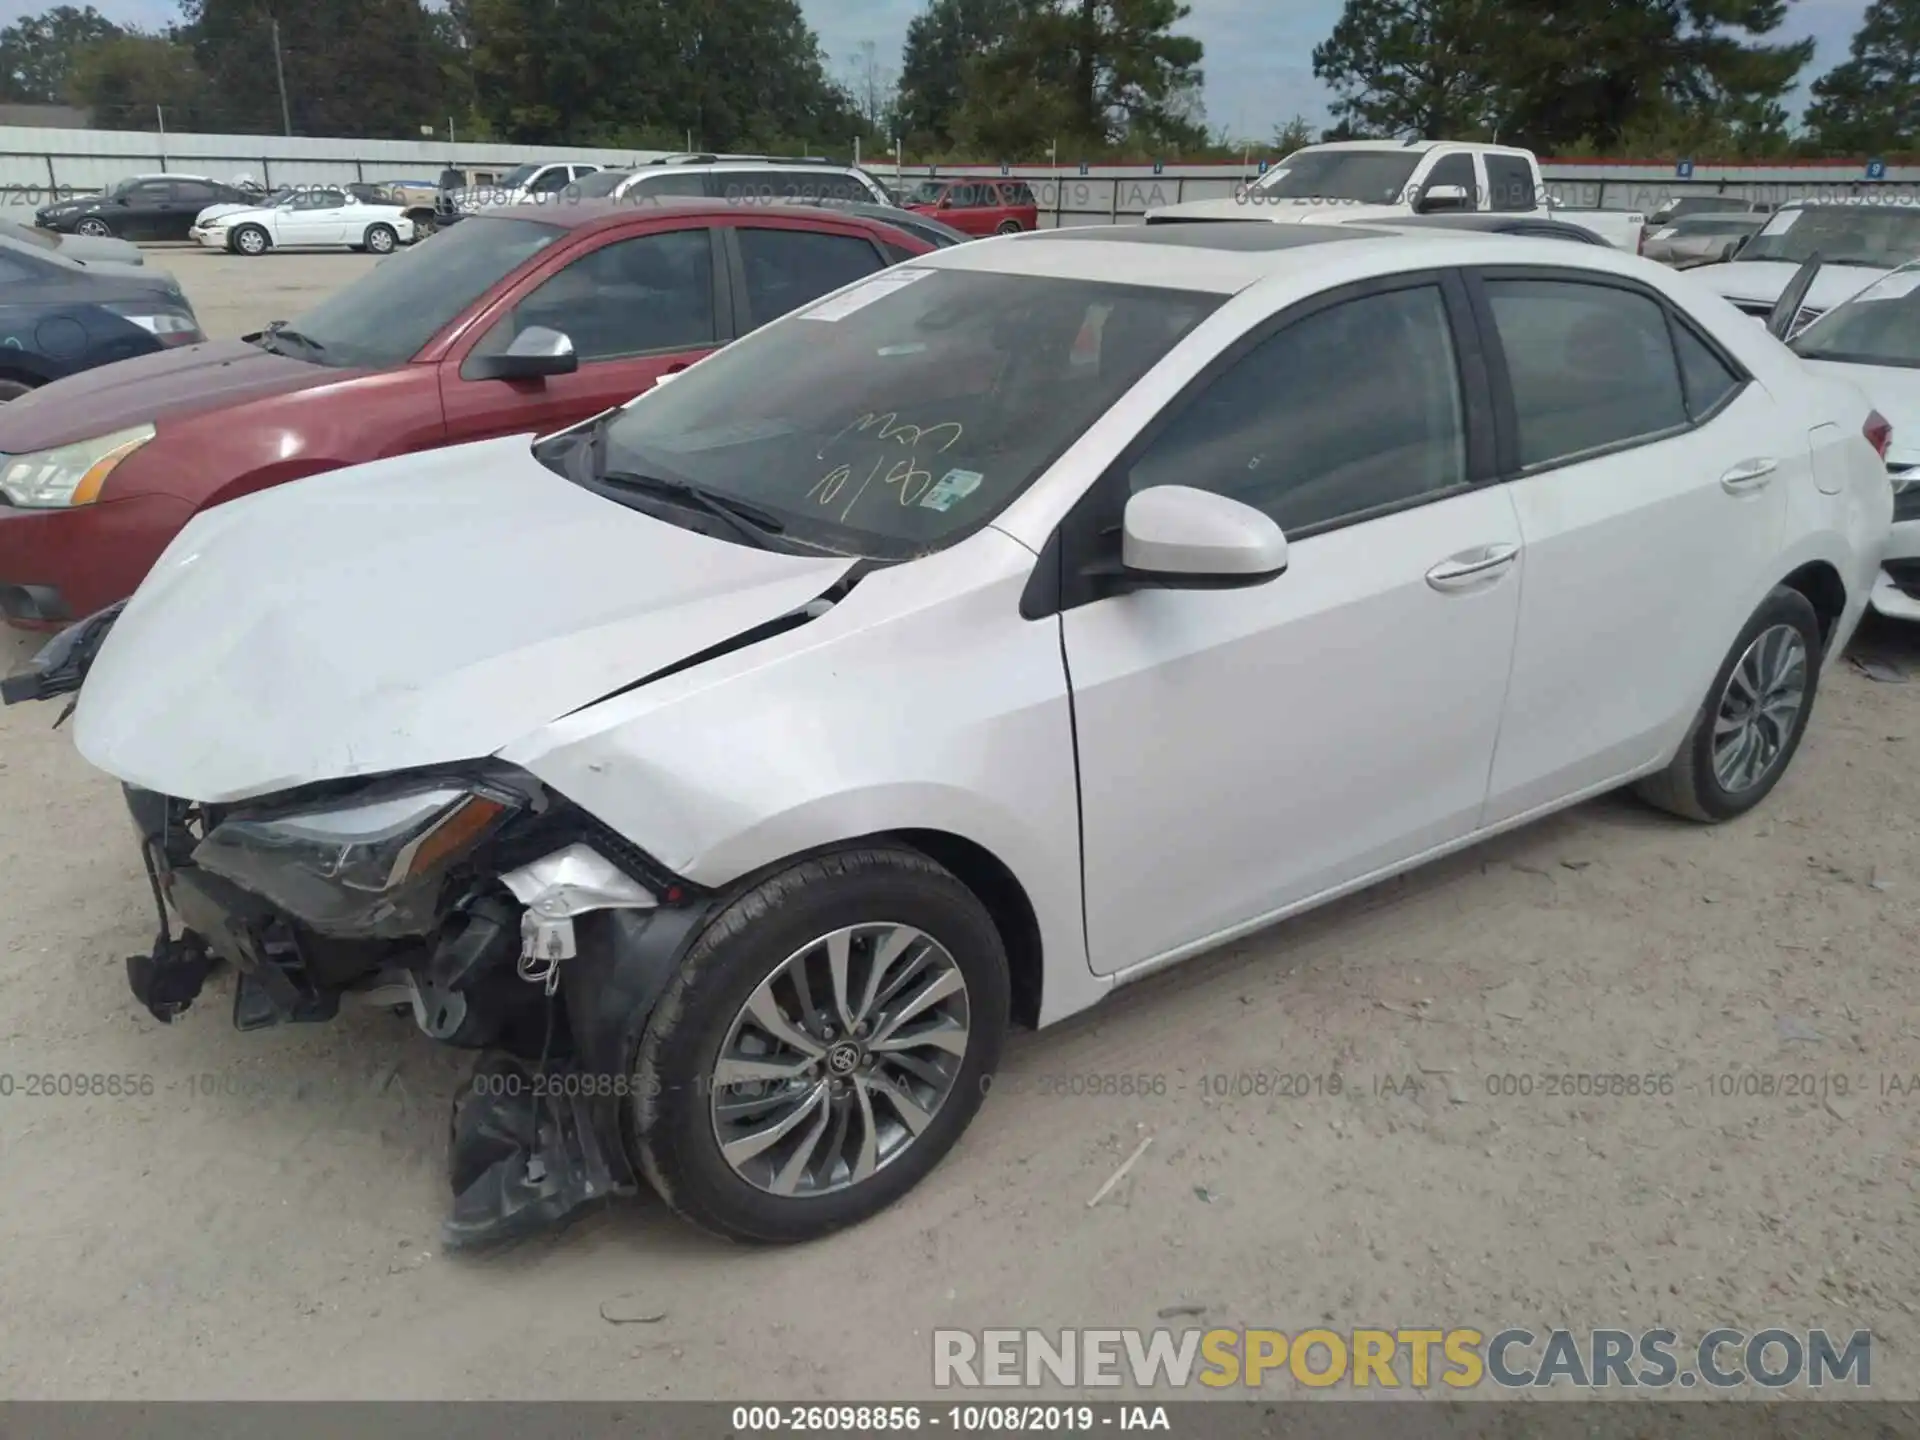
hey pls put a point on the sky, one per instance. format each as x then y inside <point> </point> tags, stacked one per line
<point>1259,67</point>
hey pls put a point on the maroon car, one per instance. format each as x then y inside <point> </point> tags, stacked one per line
<point>521,320</point>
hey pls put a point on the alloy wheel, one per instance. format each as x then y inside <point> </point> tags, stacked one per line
<point>380,240</point>
<point>1759,708</point>
<point>840,1059</point>
<point>98,229</point>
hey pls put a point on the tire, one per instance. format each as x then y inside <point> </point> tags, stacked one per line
<point>94,227</point>
<point>381,239</point>
<point>672,1126</point>
<point>11,389</point>
<point>1008,227</point>
<point>1691,786</point>
<point>250,240</point>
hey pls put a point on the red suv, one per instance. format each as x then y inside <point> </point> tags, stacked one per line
<point>978,207</point>
<point>520,320</point>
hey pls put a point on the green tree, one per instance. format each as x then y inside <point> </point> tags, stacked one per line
<point>730,74</point>
<point>1414,68</point>
<point>1603,69</point>
<point>1870,102</point>
<point>1293,135</point>
<point>941,40</point>
<point>130,80</point>
<point>1561,73</point>
<point>1094,74</point>
<point>353,67</point>
<point>37,52</point>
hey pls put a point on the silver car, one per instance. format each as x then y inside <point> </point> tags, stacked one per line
<point>1700,239</point>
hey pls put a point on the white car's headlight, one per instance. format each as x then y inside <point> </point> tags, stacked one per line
<point>68,475</point>
<point>365,867</point>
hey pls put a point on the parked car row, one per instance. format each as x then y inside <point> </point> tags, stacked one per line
<point>571,736</point>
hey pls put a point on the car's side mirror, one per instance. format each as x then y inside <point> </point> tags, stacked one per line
<point>536,352</point>
<point>1443,197</point>
<point>1178,537</point>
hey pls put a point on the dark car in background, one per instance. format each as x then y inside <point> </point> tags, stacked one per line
<point>59,317</point>
<point>520,320</point>
<point>911,222</point>
<point>146,207</point>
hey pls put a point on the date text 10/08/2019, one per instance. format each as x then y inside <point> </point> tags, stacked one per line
<point>959,1419</point>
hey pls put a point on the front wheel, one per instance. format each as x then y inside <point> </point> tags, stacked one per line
<point>1746,734</point>
<point>823,1046</point>
<point>1009,227</point>
<point>250,240</point>
<point>94,228</point>
<point>381,239</point>
<point>13,389</point>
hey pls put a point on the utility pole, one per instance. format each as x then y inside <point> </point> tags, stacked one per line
<point>161,116</point>
<point>280,74</point>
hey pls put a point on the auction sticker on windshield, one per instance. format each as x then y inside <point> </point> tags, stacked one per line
<point>861,296</point>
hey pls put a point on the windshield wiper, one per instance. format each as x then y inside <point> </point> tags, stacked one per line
<point>755,525</point>
<point>280,330</point>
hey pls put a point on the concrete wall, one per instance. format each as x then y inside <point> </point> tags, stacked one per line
<point>35,163</point>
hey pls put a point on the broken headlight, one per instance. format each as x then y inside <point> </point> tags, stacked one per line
<point>368,868</point>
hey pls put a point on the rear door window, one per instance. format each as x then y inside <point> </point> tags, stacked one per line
<point>1591,366</point>
<point>784,269</point>
<point>1510,183</point>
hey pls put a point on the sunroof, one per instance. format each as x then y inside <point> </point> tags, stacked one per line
<point>1248,235</point>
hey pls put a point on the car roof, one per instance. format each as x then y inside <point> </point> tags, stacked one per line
<point>599,213</point>
<point>1227,256</point>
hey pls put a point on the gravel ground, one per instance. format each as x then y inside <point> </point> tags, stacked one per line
<point>286,1187</point>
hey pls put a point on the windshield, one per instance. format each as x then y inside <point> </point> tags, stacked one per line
<point>927,192</point>
<point>518,176</point>
<point>1369,177</point>
<point>1879,326</point>
<point>891,419</point>
<point>384,318</point>
<point>1881,235</point>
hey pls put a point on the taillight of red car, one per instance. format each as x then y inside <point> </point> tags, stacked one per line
<point>1879,433</point>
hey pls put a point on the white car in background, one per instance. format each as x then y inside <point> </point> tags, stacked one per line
<point>996,631</point>
<point>303,217</point>
<point>1873,341</point>
<point>1857,239</point>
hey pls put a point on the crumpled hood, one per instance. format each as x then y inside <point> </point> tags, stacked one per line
<point>1283,212</point>
<point>420,610</point>
<point>1761,282</point>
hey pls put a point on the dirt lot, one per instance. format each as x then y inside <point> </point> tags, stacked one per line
<point>263,1224</point>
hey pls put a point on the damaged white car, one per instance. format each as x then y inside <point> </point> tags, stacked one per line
<point>732,770</point>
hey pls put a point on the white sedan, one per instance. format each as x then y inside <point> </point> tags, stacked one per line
<point>999,630</point>
<point>304,218</point>
<point>1873,341</point>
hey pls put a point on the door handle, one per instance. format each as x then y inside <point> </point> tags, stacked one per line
<point>1471,568</point>
<point>1749,475</point>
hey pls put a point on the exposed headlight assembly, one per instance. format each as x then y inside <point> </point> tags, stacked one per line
<point>361,870</point>
<point>68,475</point>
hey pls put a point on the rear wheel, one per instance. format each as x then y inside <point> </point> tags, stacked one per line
<point>382,238</point>
<point>825,1043</point>
<point>250,240</point>
<point>12,389</point>
<point>1757,710</point>
<point>1009,227</point>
